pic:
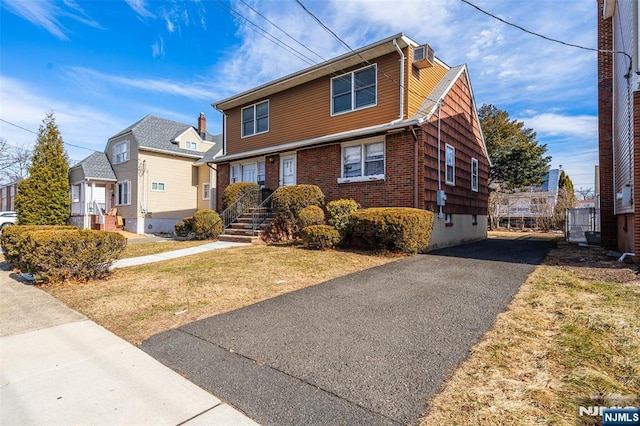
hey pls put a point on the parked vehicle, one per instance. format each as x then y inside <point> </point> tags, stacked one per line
<point>8,218</point>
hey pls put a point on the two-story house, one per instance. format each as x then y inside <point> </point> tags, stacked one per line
<point>619,124</point>
<point>389,124</point>
<point>150,175</point>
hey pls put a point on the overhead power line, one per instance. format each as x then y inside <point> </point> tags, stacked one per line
<point>35,133</point>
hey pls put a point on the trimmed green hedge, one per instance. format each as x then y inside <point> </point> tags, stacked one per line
<point>290,200</point>
<point>340,212</point>
<point>320,237</point>
<point>207,224</point>
<point>61,254</point>
<point>13,237</point>
<point>310,215</point>
<point>234,191</point>
<point>406,230</point>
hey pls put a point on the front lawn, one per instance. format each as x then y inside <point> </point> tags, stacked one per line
<point>144,249</point>
<point>140,301</point>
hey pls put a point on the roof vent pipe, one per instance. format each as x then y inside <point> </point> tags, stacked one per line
<point>395,43</point>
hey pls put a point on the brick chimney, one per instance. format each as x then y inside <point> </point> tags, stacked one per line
<point>202,126</point>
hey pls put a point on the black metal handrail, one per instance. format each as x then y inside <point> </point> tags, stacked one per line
<point>260,213</point>
<point>246,202</point>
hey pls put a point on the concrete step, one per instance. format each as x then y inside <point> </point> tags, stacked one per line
<point>238,238</point>
<point>232,231</point>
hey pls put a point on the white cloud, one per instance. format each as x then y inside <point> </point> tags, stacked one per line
<point>157,49</point>
<point>581,126</point>
<point>140,8</point>
<point>191,90</point>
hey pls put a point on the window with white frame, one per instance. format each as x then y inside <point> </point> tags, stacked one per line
<point>255,119</point>
<point>363,161</point>
<point>75,193</point>
<point>206,191</point>
<point>450,161</point>
<point>157,186</point>
<point>353,91</point>
<point>123,193</point>
<point>192,145</point>
<point>474,174</point>
<point>253,172</point>
<point>121,152</point>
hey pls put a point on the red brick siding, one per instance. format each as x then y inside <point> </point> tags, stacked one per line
<point>221,183</point>
<point>608,224</point>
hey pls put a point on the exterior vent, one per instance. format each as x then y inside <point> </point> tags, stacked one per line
<point>423,56</point>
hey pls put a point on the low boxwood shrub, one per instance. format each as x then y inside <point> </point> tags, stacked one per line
<point>310,215</point>
<point>290,200</point>
<point>320,237</point>
<point>13,236</point>
<point>207,224</point>
<point>63,254</point>
<point>340,212</point>
<point>234,191</point>
<point>184,227</point>
<point>406,230</point>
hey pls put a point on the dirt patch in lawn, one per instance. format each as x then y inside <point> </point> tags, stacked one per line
<point>137,302</point>
<point>570,337</point>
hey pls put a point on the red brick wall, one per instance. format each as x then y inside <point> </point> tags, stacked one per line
<point>608,224</point>
<point>221,183</point>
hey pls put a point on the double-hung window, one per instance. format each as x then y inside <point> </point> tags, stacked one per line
<point>206,191</point>
<point>363,162</point>
<point>353,91</point>
<point>253,172</point>
<point>123,193</point>
<point>157,186</point>
<point>450,162</point>
<point>474,174</point>
<point>255,119</point>
<point>121,152</point>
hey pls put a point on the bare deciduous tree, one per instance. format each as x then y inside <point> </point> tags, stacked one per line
<point>14,162</point>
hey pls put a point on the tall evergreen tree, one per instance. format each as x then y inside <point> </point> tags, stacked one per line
<point>518,160</point>
<point>43,197</point>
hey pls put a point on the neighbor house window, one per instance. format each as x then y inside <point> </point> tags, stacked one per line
<point>354,90</point>
<point>206,191</point>
<point>450,159</point>
<point>121,152</point>
<point>75,193</point>
<point>255,119</point>
<point>364,161</point>
<point>192,145</point>
<point>157,186</point>
<point>123,193</point>
<point>474,174</point>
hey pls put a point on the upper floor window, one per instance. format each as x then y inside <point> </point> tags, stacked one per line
<point>354,90</point>
<point>474,174</point>
<point>192,145</point>
<point>121,152</point>
<point>255,119</point>
<point>450,159</point>
<point>157,186</point>
<point>362,162</point>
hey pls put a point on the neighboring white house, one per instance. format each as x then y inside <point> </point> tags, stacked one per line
<point>148,178</point>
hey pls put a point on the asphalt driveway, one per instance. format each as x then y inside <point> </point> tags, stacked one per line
<point>369,348</point>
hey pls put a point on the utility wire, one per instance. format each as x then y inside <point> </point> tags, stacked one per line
<point>35,133</point>
<point>592,49</point>
<point>327,29</point>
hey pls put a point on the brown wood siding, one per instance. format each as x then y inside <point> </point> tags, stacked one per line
<point>304,112</point>
<point>421,83</point>
<point>460,129</point>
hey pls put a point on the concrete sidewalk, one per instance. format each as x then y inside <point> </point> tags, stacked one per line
<point>58,367</point>
<point>135,261</point>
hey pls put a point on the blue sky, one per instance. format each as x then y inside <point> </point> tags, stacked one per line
<point>102,65</point>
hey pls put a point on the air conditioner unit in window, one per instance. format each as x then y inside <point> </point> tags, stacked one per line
<point>423,56</point>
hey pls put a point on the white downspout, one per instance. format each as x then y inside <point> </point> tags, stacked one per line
<point>402,58</point>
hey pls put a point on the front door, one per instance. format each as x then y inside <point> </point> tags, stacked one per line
<point>288,170</point>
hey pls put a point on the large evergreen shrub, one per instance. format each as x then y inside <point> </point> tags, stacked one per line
<point>234,191</point>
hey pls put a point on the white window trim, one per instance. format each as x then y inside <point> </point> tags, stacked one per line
<point>255,120</point>
<point>447,181</point>
<point>187,143</point>
<point>474,166</point>
<point>353,92</point>
<point>246,163</point>
<point>164,186</point>
<point>206,191</point>
<point>362,142</point>
<point>127,150</point>
<point>128,183</point>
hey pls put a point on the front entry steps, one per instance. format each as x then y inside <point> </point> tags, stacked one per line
<point>240,231</point>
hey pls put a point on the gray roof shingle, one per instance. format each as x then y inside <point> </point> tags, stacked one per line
<point>211,152</point>
<point>97,167</point>
<point>158,133</point>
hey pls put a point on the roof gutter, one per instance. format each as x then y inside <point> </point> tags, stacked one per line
<point>353,134</point>
<point>164,151</point>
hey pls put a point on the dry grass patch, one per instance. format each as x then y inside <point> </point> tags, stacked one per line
<point>137,302</point>
<point>145,249</point>
<point>571,333</point>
